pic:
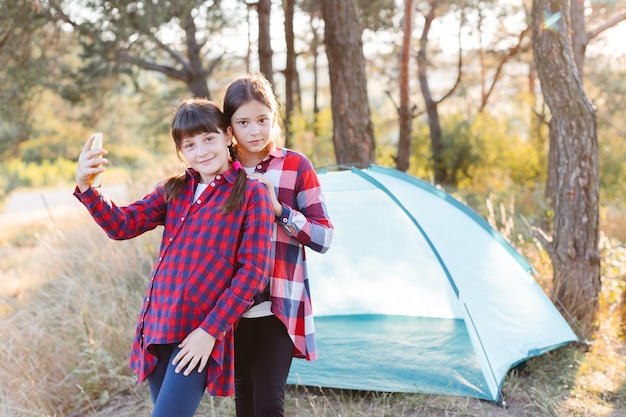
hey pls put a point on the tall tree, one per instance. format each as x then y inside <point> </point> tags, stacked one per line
<point>353,133</point>
<point>580,38</point>
<point>172,38</point>
<point>264,8</point>
<point>315,44</point>
<point>313,38</point>
<point>374,15</point>
<point>249,6</point>
<point>573,246</point>
<point>292,94</point>
<point>405,111</point>
<point>431,104</point>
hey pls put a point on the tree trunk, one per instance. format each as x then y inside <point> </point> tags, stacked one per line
<point>436,136</point>
<point>579,35</point>
<point>291,74</point>
<point>249,37</point>
<point>553,163</point>
<point>538,140</point>
<point>265,45</point>
<point>353,134</point>
<point>314,49</point>
<point>196,74</point>
<point>573,248</point>
<point>199,88</point>
<point>405,112</point>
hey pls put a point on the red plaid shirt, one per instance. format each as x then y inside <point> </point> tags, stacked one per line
<point>210,265</point>
<point>304,222</point>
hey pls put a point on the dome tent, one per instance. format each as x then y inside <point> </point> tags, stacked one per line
<point>418,293</point>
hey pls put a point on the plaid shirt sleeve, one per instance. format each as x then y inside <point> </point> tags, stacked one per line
<point>128,222</point>
<point>308,222</point>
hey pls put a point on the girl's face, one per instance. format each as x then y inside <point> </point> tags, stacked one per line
<point>207,153</point>
<point>251,126</point>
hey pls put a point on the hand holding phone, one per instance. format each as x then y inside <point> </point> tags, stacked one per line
<point>96,181</point>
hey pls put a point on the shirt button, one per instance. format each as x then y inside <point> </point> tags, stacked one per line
<point>218,176</point>
<point>259,166</point>
<point>284,220</point>
<point>212,184</point>
<point>182,219</point>
<point>199,201</point>
<point>171,239</point>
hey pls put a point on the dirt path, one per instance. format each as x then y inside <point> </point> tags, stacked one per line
<point>31,205</point>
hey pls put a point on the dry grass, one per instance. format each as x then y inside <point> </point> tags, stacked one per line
<point>68,303</point>
<point>65,333</point>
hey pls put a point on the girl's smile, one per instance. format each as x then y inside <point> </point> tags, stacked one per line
<point>207,153</point>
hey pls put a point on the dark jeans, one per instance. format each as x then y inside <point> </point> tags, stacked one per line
<point>174,394</point>
<point>263,352</point>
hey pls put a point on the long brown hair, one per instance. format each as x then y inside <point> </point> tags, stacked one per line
<point>193,117</point>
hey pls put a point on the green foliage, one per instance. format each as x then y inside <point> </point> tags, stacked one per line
<point>25,69</point>
<point>16,173</point>
<point>611,143</point>
<point>46,149</point>
<point>613,167</point>
<point>374,15</point>
<point>421,165</point>
<point>604,81</point>
<point>317,147</point>
<point>135,127</point>
<point>488,161</point>
<point>126,120</point>
<point>485,155</point>
<point>178,39</point>
<point>377,14</point>
<point>462,153</point>
<point>508,158</point>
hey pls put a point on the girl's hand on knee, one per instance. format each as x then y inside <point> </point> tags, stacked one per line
<point>195,350</point>
<point>90,162</point>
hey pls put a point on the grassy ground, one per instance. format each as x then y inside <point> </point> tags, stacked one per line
<point>68,303</point>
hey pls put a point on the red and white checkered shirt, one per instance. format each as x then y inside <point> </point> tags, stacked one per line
<point>209,267</point>
<point>304,222</point>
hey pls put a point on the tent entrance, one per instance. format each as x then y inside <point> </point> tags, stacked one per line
<point>393,354</point>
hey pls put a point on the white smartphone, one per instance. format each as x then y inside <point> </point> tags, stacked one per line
<point>96,182</point>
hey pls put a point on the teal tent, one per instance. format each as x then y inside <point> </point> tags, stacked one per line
<point>418,293</point>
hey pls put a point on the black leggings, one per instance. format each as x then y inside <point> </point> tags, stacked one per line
<point>263,352</point>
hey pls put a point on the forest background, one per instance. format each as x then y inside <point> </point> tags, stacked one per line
<point>73,67</point>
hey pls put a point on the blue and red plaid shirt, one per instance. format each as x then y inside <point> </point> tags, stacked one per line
<point>210,266</point>
<point>304,222</point>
